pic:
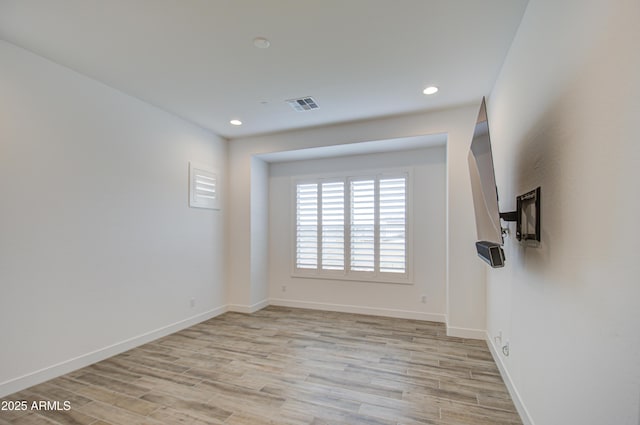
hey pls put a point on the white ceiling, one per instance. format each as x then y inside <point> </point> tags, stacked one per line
<point>195,58</point>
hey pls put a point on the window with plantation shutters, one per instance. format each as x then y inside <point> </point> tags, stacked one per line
<point>203,186</point>
<point>353,227</point>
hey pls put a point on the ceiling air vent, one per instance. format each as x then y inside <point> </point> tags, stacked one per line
<point>303,104</point>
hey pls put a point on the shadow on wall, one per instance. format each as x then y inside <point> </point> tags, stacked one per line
<point>572,156</point>
<point>538,162</point>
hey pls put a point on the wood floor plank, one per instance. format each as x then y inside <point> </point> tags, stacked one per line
<point>32,418</point>
<point>70,417</point>
<point>285,366</point>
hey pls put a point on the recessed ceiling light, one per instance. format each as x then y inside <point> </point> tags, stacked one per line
<point>235,122</point>
<point>430,90</point>
<point>261,42</point>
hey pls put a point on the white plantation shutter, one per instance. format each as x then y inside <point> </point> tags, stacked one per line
<point>363,225</point>
<point>203,187</point>
<point>332,219</point>
<point>392,206</point>
<point>307,226</point>
<point>356,226</point>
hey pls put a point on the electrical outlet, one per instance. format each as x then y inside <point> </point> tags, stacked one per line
<point>498,338</point>
<point>284,288</point>
<point>424,299</point>
<point>192,302</point>
<point>505,349</point>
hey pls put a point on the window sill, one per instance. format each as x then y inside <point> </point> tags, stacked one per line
<point>362,279</point>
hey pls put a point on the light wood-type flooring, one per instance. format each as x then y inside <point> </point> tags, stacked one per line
<point>285,366</point>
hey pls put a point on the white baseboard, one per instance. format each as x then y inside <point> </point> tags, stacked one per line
<point>515,395</point>
<point>466,332</point>
<point>20,383</point>
<point>344,308</point>
<point>248,309</point>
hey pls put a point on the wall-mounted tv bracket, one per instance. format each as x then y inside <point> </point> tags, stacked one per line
<point>528,208</point>
<point>508,216</point>
<point>526,216</point>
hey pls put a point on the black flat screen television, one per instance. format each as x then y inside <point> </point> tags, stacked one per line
<point>485,193</point>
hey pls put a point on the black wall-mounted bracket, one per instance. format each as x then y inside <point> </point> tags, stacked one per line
<point>526,216</point>
<point>509,216</point>
<point>528,223</point>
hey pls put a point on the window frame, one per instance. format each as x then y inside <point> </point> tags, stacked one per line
<point>347,274</point>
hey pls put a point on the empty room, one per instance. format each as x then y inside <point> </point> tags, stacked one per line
<point>297,212</point>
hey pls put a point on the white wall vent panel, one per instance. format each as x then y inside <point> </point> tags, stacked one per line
<point>204,188</point>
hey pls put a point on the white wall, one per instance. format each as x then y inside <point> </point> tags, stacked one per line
<point>465,296</point>
<point>98,248</point>
<point>428,172</point>
<point>259,231</point>
<point>564,115</point>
